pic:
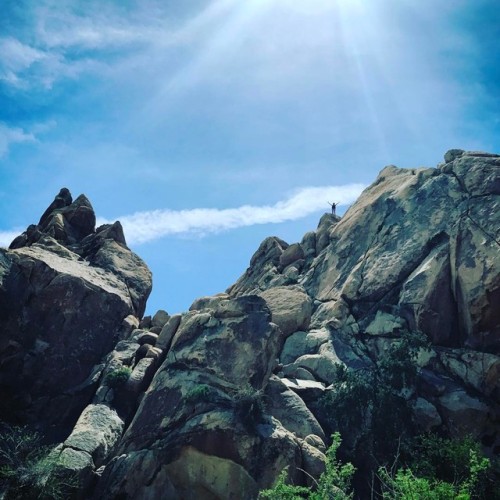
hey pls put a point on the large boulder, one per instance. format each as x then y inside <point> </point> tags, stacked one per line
<point>417,252</point>
<point>263,268</point>
<point>96,432</point>
<point>290,307</point>
<point>291,411</point>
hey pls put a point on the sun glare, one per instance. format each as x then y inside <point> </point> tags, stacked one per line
<point>309,7</point>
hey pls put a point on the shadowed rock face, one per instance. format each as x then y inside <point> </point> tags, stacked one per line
<point>65,289</point>
<point>199,432</point>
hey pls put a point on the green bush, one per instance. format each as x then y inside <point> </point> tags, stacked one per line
<point>362,400</point>
<point>28,469</point>
<point>249,405</point>
<point>118,377</point>
<point>406,486</point>
<point>462,462</point>
<point>198,392</point>
<point>455,461</point>
<point>284,491</point>
<point>333,484</point>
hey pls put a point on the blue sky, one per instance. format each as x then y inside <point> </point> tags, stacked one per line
<point>205,126</point>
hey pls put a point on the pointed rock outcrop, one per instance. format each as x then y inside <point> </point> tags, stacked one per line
<point>65,290</point>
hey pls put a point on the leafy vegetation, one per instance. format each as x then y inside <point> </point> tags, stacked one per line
<point>284,491</point>
<point>372,409</point>
<point>452,460</point>
<point>362,400</point>
<point>118,377</point>
<point>399,484</point>
<point>406,486</point>
<point>249,405</point>
<point>455,462</point>
<point>333,484</point>
<point>197,393</point>
<point>28,469</point>
<point>464,469</point>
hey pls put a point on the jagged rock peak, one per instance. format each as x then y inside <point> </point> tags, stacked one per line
<point>63,199</point>
<point>68,293</point>
<point>66,221</point>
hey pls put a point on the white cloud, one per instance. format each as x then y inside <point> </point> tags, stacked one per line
<point>143,227</point>
<point>6,237</point>
<point>10,136</point>
<point>100,41</point>
<point>16,55</point>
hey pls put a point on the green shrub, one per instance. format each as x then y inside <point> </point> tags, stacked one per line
<point>333,484</point>
<point>249,405</point>
<point>198,392</point>
<point>118,377</point>
<point>362,400</point>
<point>28,469</point>
<point>442,469</point>
<point>455,461</point>
<point>284,491</point>
<point>458,460</point>
<point>406,486</point>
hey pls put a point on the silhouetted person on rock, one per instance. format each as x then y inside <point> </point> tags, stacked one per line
<point>334,207</point>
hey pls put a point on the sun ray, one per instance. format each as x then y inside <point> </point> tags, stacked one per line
<point>353,21</point>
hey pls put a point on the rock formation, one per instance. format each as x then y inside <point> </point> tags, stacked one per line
<point>417,252</point>
<point>68,293</point>
<point>215,402</point>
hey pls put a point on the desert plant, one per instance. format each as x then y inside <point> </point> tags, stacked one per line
<point>333,484</point>
<point>198,392</point>
<point>118,377</point>
<point>404,485</point>
<point>455,461</point>
<point>442,469</point>
<point>359,404</point>
<point>284,491</point>
<point>249,405</point>
<point>28,469</point>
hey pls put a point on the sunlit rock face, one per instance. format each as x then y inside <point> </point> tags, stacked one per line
<point>65,290</point>
<point>418,251</point>
<point>420,244</point>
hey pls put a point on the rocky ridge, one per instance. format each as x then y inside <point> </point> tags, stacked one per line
<point>215,402</point>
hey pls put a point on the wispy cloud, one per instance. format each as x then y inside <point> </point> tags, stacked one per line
<point>16,58</point>
<point>12,135</point>
<point>143,227</point>
<point>24,66</point>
